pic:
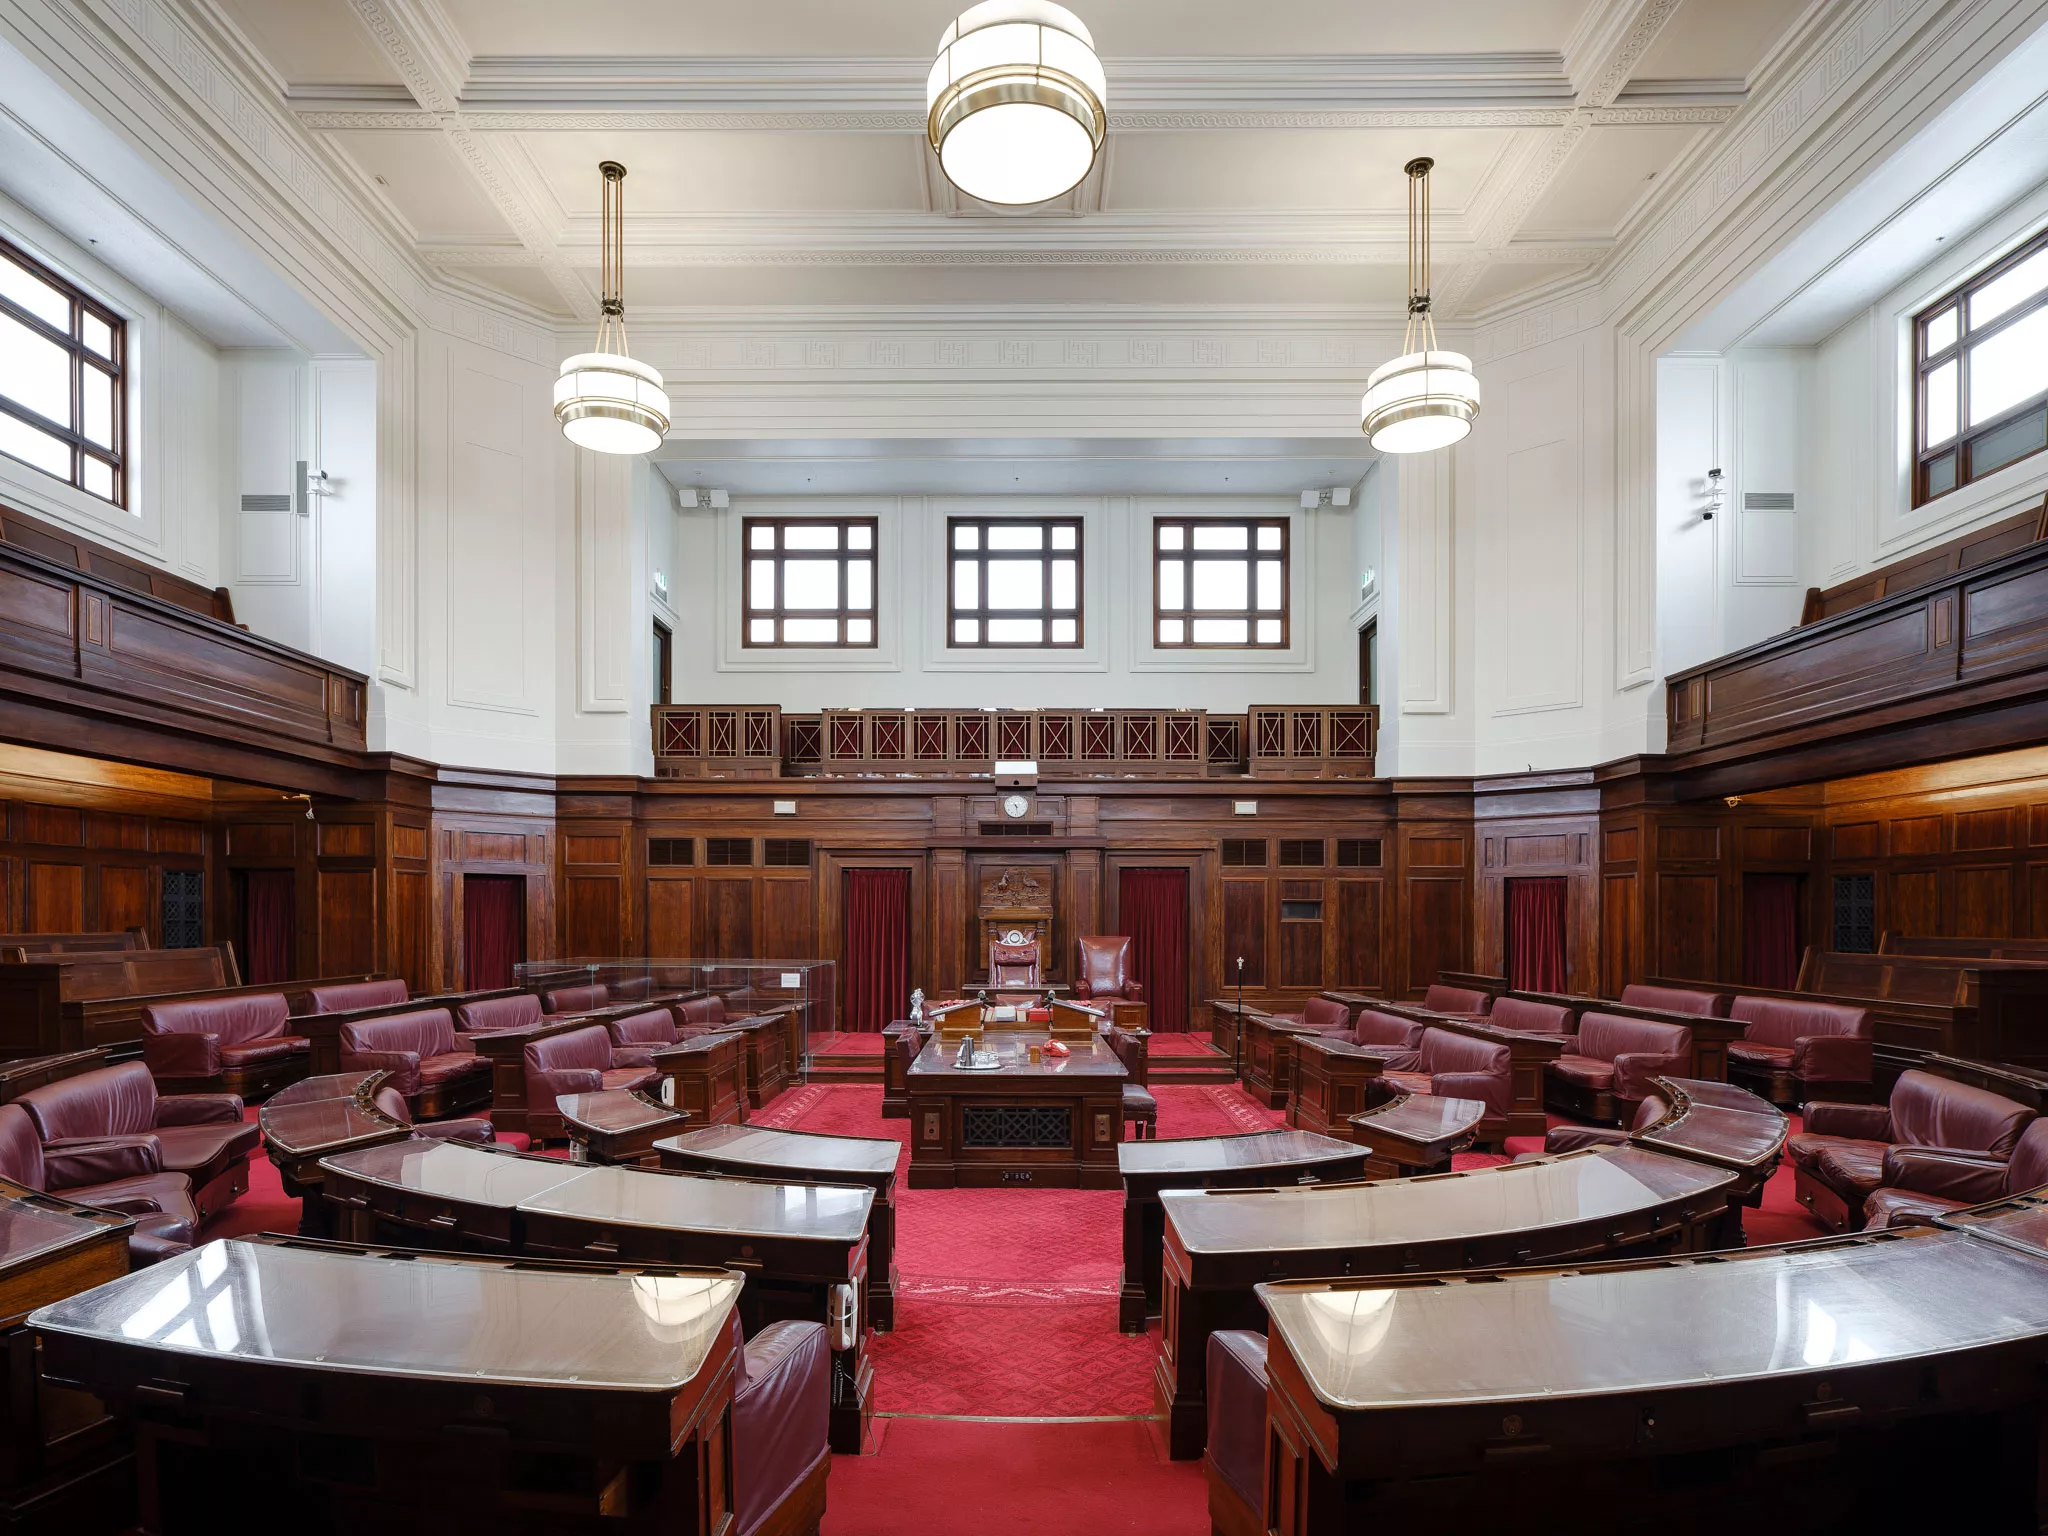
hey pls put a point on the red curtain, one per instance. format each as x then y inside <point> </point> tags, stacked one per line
<point>875,948</point>
<point>1536,934</point>
<point>269,919</point>
<point>493,929</point>
<point>1152,907</point>
<point>1770,930</point>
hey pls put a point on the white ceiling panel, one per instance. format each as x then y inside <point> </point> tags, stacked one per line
<point>312,42</point>
<point>1356,171</point>
<point>654,288</point>
<point>428,184</point>
<point>687,173</point>
<point>1717,39</point>
<point>1608,174</point>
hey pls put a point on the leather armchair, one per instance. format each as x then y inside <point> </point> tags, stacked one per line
<point>343,996</point>
<point>1675,1000</point>
<point>782,1405</point>
<point>436,1069</point>
<point>1105,969</point>
<point>564,1000</point>
<point>223,1044</point>
<point>1606,1067</point>
<point>1372,1027</point>
<point>638,1036</point>
<point>488,1015</point>
<point>1235,1460</point>
<point>1921,1183</point>
<point>1449,1065</point>
<point>1571,1138</point>
<point>392,1103</point>
<point>100,1126</point>
<point>1442,999</point>
<point>166,1222</point>
<point>1320,1014</point>
<point>580,1061</point>
<point>701,1015</point>
<point>1791,1047</point>
<point>1531,1018</point>
<point>1838,1160</point>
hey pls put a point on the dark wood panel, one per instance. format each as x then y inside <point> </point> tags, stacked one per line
<point>410,930</point>
<point>1355,934</point>
<point>1914,905</point>
<point>348,921</point>
<point>1301,949</point>
<point>786,908</point>
<point>1983,903</point>
<point>58,826</point>
<point>1620,921</point>
<point>729,917</point>
<point>1437,911</point>
<point>56,897</point>
<point>124,897</point>
<point>590,915</point>
<point>671,918</point>
<point>1244,931</point>
<point>1688,924</point>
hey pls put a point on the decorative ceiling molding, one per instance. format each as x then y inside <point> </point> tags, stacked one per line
<point>458,258</point>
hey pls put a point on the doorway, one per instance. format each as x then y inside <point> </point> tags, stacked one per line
<point>1535,942</point>
<point>1770,930</point>
<point>1369,663</point>
<point>266,920</point>
<point>874,947</point>
<point>493,929</point>
<point>1152,908</point>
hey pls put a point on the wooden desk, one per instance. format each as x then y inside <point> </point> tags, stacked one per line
<point>334,1389</point>
<point>1252,1161</point>
<point>807,1157</point>
<point>1528,1055</point>
<point>1588,1204</point>
<point>439,1194</point>
<point>1804,1382</point>
<point>317,1118</point>
<point>1727,1127</point>
<point>1056,1123</point>
<point>1333,1080</point>
<point>1223,1024</point>
<point>1415,1133</point>
<point>766,1040</point>
<point>895,1086</point>
<point>618,1125</point>
<point>710,1077</point>
<point>1267,1056</point>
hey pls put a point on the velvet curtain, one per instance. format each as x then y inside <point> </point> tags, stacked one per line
<point>1535,937</point>
<point>493,929</point>
<point>1770,930</point>
<point>875,948</point>
<point>1152,906</point>
<point>269,919</point>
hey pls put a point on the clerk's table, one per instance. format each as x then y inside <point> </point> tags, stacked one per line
<point>1052,1123</point>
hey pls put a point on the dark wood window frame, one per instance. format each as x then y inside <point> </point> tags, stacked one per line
<point>845,618</point>
<point>1046,554</point>
<point>70,435</point>
<point>1189,556</point>
<point>1950,465</point>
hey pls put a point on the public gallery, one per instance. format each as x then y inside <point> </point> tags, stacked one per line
<point>1128,767</point>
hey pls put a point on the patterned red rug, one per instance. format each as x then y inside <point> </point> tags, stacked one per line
<point>1164,1045</point>
<point>840,1043</point>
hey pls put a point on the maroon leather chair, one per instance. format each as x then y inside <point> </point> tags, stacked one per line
<point>701,1015</point>
<point>1105,969</point>
<point>1921,1183</point>
<point>161,1203</point>
<point>575,999</point>
<point>1320,1014</point>
<point>345,995</point>
<point>1838,1159</point>
<point>1454,1066</point>
<point>437,1070</point>
<point>392,1103</point>
<point>1792,1048</point>
<point>630,989</point>
<point>1571,1138</point>
<point>636,1037</point>
<point>1235,1460</point>
<point>1675,1000</point>
<point>223,1045</point>
<point>1606,1067</point>
<point>782,1403</point>
<point>200,1135</point>
<point>1372,1027</point>
<point>579,1061</point>
<point>1530,1017</point>
<point>487,1015</point>
<point>1442,999</point>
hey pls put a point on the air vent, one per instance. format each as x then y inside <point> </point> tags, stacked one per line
<point>184,909</point>
<point>1358,853</point>
<point>787,853</point>
<point>267,503</point>
<point>1301,853</point>
<point>1016,829</point>
<point>1244,853</point>
<point>729,850</point>
<point>1301,911</point>
<point>1856,914</point>
<point>1767,501</point>
<point>671,851</point>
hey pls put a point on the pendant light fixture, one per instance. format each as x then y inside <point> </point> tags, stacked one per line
<point>1014,103</point>
<point>605,400</point>
<point>1425,398</point>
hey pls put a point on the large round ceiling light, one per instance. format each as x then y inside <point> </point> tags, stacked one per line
<point>1427,397</point>
<point>605,400</point>
<point>1014,102</point>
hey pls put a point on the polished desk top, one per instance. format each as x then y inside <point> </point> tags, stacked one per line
<point>1655,1327</point>
<point>1718,1122</point>
<point>1579,1186</point>
<point>309,1125</point>
<point>1220,1154</point>
<point>1314,1040</point>
<point>629,1197</point>
<point>1422,1118</point>
<point>2020,1221</point>
<point>457,1171</point>
<point>414,1317</point>
<point>34,1226</point>
<point>615,1109</point>
<point>796,1151</point>
<point>331,1085</point>
<point>695,1044</point>
<point>1089,1058</point>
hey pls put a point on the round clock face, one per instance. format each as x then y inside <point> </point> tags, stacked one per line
<point>1015,806</point>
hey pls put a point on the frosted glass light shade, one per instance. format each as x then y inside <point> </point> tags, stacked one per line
<point>610,403</point>
<point>1014,101</point>
<point>1419,401</point>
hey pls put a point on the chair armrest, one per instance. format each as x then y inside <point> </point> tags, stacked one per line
<point>1569,1044</point>
<point>632,1055</point>
<point>1969,1177</point>
<point>779,1415</point>
<point>404,1066</point>
<point>543,1088</point>
<point>1134,991</point>
<point>454,1130</point>
<point>198,1108</point>
<point>1083,988</point>
<point>1486,1087</point>
<point>82,1160</point>
<point>181,1055</point>
<point>1856,1122</point>
<point>1633,1071</point>
<point>1833,1058</point>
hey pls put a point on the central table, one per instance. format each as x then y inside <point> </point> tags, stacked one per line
<point>1051,1123</point>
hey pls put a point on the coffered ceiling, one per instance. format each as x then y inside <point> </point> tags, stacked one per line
<point>776,155</point>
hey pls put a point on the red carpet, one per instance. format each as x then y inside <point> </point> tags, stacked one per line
<point>1183,1045</point>
<point>867,1043</point>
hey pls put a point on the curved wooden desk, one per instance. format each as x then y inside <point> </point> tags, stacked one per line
<point>320,1117</point>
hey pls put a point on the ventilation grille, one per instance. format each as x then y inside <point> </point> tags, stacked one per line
<point>184,909</point>
<point>1767,501</point>
<point>1856,914</point>
<point>1244,853</point>
<point>267,503</point>
<point>729,850</point>
<point>1016,829</point>
<point>787,853</point>
<point>671,851</point>
<point>1358,853</point>
<point>1301,853</point>
<point>1301,911</point>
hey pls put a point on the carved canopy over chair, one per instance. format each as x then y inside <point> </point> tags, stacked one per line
<point>1105,968</point>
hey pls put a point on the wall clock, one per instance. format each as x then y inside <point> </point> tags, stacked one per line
<point>1015,806</point>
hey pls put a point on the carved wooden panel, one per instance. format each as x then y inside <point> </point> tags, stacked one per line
<point>1438,910</point>
<point>1688,925</point>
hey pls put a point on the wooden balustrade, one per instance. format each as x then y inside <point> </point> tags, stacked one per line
<point>1296,741</point>
<point>718,741</point>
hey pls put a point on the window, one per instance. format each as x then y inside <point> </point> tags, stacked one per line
<point>787,853</point>
<point>1219,582</point>
<point>810,581</point>
<point>1244,853</point>
<point>1358,853</point>
<point>1016,582</point>
<point>62,407</point>
<point>728,851</point>
<point>1980,360</point>
<point>664,664</point>
<point>669,852</point>
<point>1301,853</point>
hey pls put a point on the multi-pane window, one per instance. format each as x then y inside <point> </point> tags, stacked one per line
<point>810,581</point>
<point>1981,364</point>
<point>1219,582</point>
<point>1015,581</point>
<point>61,405</point>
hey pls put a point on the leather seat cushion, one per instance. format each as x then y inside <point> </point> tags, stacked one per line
<point>1852,1167</point>
<point>1805,1148</point>
<point>171,1193</point>
<point>1762,1054</point>
<point>440,1069</point>
<point>156,1238</point>
<point>250,1051</point>
<point>1407,1082</point>
<point>1891,1207</point>
<point>1139,1100</point>
<point>1586,1070</point>
<point>210,1145</point>
<point>630,1077</point>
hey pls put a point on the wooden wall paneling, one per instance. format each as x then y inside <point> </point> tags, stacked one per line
<point>491,828</point>
<point>125,892</point>
<point>1244,932</point>
<point>948,922</point>
<point>1301,935</point>
<point>787,911</point>
<point>1353,959</point>
<point>1088,905</point>
<point>1623,950</point>
<point>729,917</point>
<point>348,920</point>
<point>56,897</point>
<point>590,916</point>
<point>672,916</point>
<point>1512,842</point>
<point>1433,868</point>
<point>829,904</point>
